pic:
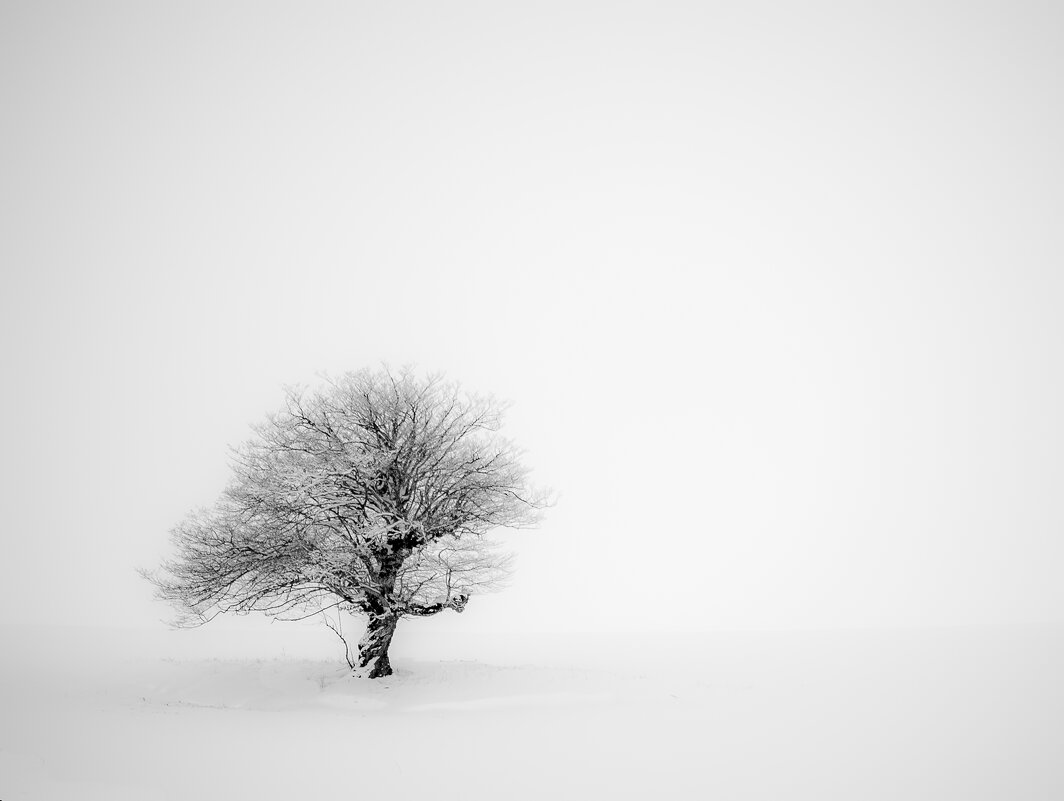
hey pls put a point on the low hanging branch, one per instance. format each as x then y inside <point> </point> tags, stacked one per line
<point>373,494</point>
<point>338,630</point>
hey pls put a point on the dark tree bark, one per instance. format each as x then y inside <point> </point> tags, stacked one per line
<point>373,661</point>
<point>457,604</point>
<point>373,647</point>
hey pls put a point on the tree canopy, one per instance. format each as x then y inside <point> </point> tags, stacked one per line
<point>373,494</point>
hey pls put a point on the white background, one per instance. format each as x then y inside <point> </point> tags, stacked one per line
<point>776,289</point>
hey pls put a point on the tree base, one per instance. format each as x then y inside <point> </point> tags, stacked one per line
<point>374,669</point>
<point>371,672</point>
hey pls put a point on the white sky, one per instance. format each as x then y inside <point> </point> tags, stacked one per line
<point>776,288</point>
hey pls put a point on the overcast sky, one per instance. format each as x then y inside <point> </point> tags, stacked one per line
<point>776,289</point>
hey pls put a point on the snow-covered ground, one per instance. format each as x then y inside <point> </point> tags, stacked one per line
<point>224,714</point>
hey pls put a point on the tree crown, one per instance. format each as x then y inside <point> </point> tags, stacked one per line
<point>373,493</point>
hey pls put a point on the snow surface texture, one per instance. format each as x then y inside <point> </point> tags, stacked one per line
<point>934,714</point>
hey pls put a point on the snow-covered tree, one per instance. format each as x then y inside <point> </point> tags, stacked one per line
<point>372,495</point>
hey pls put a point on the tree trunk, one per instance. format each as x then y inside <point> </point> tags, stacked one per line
<point>373,647</point>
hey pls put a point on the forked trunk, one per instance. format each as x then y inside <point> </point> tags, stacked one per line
<point>373,647</point>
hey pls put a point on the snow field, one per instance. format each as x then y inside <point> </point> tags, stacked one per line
<point>950,714</point>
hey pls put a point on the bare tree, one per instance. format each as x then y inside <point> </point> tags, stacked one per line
<point>371,495</point>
